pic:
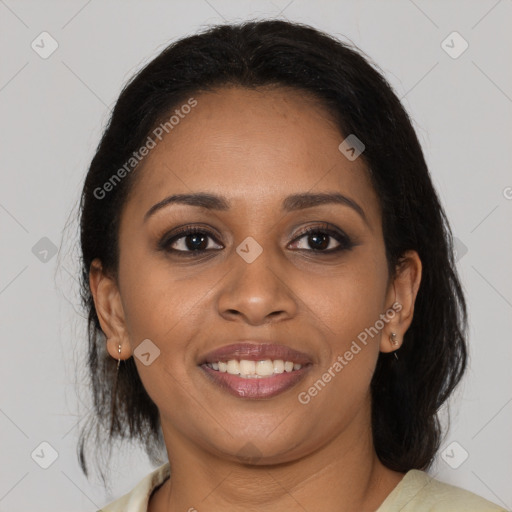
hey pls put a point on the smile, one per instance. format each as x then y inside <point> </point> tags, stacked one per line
<point>279,376</point>
<point>255,369</point>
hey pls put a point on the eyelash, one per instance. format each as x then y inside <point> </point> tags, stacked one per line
<point>344,241</point>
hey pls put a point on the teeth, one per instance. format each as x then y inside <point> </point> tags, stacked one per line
<point>255,369</point>
<point>265,368</point>
<point>247,367</point>
<point>233,367</point>
<point>278,366</point>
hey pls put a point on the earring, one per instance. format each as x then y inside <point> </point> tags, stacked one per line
<point>394,342</point>
<point>119,360</point>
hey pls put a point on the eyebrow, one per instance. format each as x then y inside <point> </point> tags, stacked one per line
<point>291,203</point>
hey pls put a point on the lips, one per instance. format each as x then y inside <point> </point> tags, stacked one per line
<point>263,383</point>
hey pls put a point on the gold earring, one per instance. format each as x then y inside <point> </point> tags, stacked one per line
<point>119,360</point>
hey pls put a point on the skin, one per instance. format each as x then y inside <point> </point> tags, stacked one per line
<point>256,147</point>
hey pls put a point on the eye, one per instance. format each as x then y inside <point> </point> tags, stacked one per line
<point>191,241</point>
<point>188,241</point>
<point>323,239</point>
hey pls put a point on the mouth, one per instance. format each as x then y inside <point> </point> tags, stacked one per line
<point>251,370</point>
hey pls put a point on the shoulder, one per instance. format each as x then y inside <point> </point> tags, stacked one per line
<point>138,498</point>
<point>419,492</point>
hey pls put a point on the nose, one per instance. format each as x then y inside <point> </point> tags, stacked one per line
<point>257,292</point>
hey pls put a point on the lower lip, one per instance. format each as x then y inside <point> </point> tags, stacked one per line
<point>266,387</point>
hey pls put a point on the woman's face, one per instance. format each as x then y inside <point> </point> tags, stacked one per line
<point>257,280</point>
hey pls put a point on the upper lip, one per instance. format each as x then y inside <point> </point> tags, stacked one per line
<point>255,351</point>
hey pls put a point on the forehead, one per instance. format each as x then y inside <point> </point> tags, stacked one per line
<point>253,146</point>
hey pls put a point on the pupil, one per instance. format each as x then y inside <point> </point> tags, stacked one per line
<point>194,245</point>
<point>323,243</point>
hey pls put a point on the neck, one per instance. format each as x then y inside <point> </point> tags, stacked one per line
<point>339,476</point>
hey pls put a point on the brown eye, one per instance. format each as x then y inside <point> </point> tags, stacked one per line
<point>188,242</point>
<point>323,240</point>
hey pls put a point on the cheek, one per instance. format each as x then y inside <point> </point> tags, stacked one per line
<point>169,305</point>
<point>349,305</point>
<point>157,301</point>
<point>350,299</point>
<point>166,310</point>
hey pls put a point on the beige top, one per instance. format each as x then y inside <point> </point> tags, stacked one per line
<point>416,492</point>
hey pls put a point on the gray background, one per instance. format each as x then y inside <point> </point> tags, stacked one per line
<point>52,113</point>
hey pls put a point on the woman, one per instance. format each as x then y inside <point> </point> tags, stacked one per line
<point>270,271</point>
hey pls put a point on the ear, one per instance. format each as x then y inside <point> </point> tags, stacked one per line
<point>109,309</point>
<point>402,292</point>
